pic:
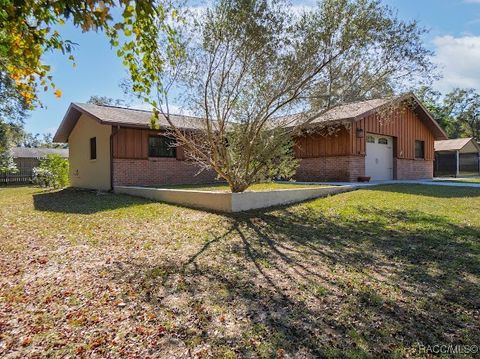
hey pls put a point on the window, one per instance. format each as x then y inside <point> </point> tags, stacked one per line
<point>161,146</point>
<point>370,139</point>
<point>383,141</point>
<point>420,149</point>
<point>93,148</point>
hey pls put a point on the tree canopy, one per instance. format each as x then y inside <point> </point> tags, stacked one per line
<point>457,111</point>
<point>248,64</point>
<point>105,100</point>
<point>30,28</point>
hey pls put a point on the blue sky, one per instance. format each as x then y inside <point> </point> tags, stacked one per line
<point>454,36</point>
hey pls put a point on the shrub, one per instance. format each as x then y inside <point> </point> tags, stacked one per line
<point>7,164</point>
<point>52,172</point>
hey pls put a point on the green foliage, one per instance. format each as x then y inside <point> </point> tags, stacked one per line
<point>105,100</point>
<point>384,55</point>
<point>465,108</point>
<point>458,111</point>
<point>27,32</point>
<point>13,107</point>
<point>250,64</point>
<point>265,157</point>
<point>27,139</point>
<point>52,172</point>
<point>7,164</point>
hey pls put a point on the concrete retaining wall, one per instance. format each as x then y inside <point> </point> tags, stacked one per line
<point>230,202</point>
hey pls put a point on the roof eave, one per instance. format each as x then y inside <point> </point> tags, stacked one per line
<point>62,134</point>
<point>438,132</point>
<point>441,134</point>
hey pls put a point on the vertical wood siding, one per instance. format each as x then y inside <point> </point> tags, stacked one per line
<point>311,146</point>
<point>132,143</point>
<point>404,125</point>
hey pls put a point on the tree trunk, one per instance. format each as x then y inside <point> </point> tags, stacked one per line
<point>238,187</point>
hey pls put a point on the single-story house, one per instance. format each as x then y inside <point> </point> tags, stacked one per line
<point>26,159</point>
<point>112,146</point>
<point>457,157</point>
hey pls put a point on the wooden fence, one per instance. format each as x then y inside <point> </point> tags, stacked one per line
<point>15,179</point>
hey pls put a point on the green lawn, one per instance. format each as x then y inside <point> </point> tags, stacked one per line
<point>222,187</point>
<point>371,273</point>
<point>466,180</point>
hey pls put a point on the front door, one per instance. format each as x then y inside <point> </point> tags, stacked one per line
<point>379,158</point>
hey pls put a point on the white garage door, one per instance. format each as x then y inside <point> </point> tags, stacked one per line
<point>379,158</point>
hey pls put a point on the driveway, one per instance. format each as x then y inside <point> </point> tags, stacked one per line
<point>431,182</point>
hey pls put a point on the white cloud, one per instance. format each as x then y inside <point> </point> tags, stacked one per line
<point>459,61</point>
<point>472,1</point>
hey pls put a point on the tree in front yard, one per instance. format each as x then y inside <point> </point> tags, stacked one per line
<point>249,65</point>
<point>52,172</point>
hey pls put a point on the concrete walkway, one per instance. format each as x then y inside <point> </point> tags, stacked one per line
<point>434,182</point>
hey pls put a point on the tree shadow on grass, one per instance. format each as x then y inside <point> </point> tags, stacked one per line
<point>299,282</point>
<point>82,201</point>
<point>429,190</point>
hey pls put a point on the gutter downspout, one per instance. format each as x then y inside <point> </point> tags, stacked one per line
<point>114,132</point>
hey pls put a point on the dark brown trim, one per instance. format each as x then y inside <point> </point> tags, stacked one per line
<point>130,158</point>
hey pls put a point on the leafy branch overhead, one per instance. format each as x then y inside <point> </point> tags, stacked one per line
<point>30,28</point>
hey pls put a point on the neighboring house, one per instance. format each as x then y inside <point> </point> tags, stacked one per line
<point>458,157</point>
<point>112,146</point>
<point>27,159</point>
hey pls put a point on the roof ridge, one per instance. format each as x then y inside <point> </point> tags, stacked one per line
<point>371,99</point>
<point>113,106</point>
<point>458,139</point>
<point>134,109</point>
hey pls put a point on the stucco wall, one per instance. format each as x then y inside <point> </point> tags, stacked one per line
<point>84,172</point>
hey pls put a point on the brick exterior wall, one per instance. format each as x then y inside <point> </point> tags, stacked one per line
<point>161,171</point>
<point>337,168</point>
<point>164,171</point>
<point>413,169</point>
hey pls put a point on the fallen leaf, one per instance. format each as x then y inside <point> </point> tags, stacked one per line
<point>26,341</point>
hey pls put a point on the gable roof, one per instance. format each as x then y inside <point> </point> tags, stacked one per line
<point>356,111</point>
<point>121,116</point>
<point>348,112</point>
<point>34,152</point>
<point>455,144</point>
<point>128,117</point>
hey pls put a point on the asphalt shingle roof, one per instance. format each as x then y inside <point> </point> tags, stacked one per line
<point>128,117</point>
<point>452,145</point>
<point>131,116</point>
<point>350,111</point>
<point>34,152</point>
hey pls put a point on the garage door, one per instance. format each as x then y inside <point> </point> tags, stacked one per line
<point>379,158</point>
